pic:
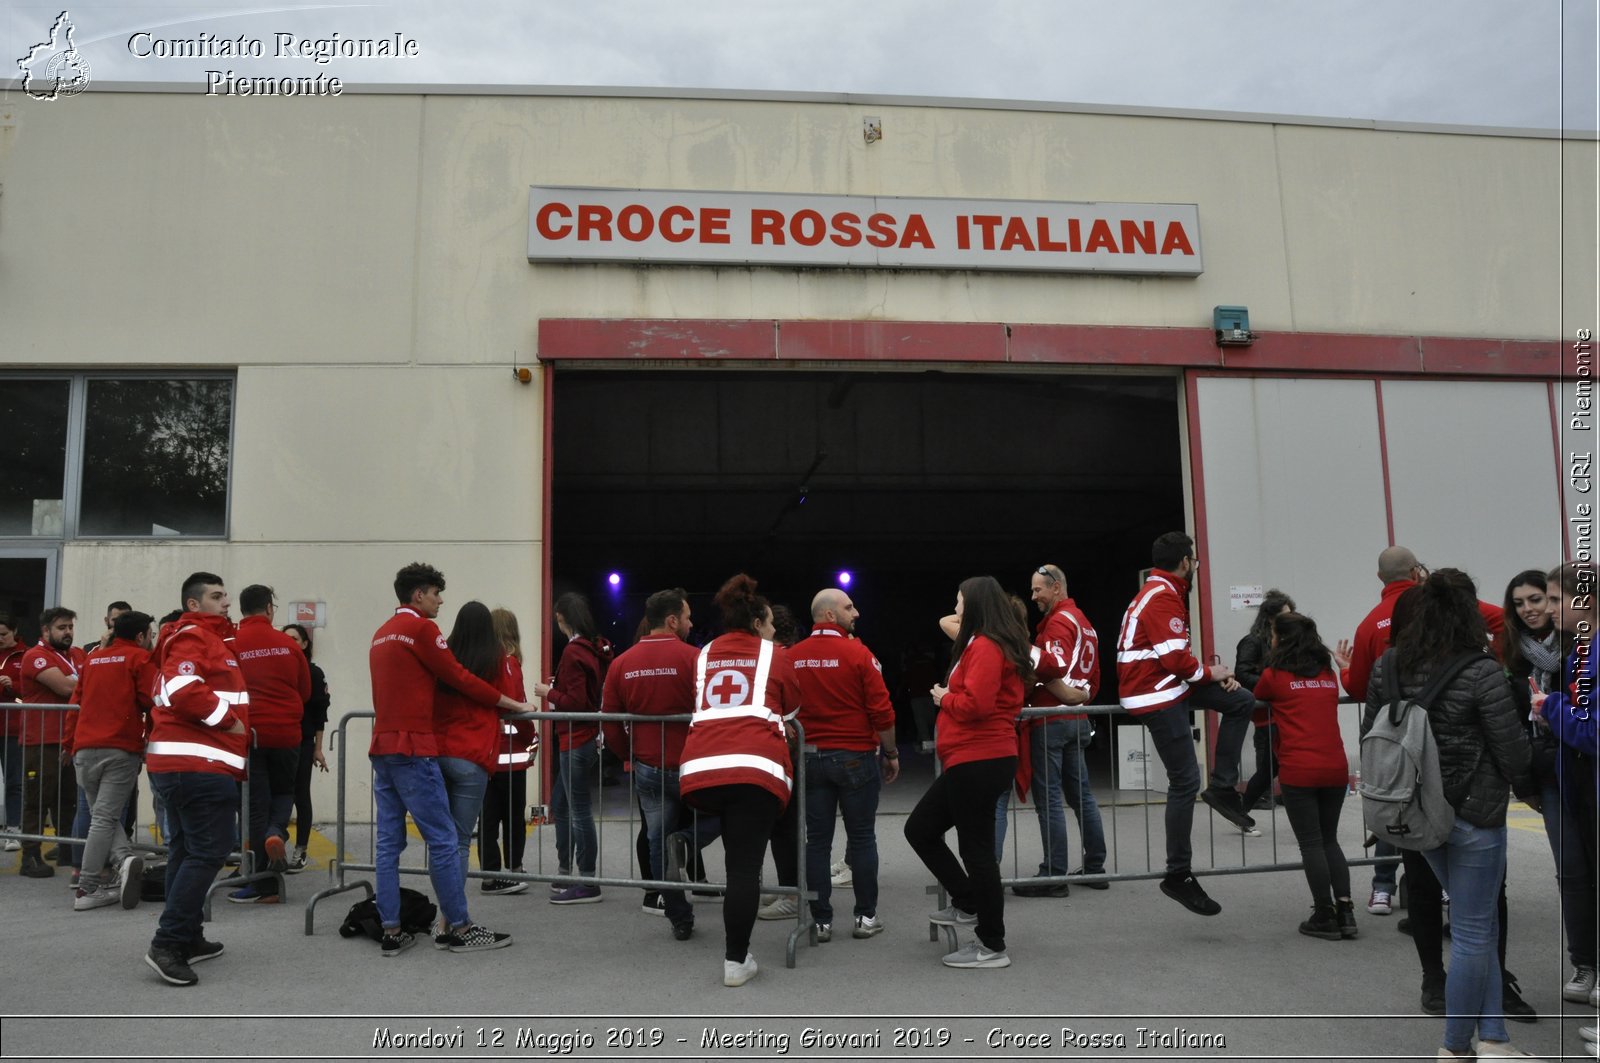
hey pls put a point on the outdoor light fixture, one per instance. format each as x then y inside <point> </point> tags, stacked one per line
<point>1232,326</point>
<point>615,579</point>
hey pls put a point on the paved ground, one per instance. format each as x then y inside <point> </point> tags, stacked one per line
<point>1104,964</point>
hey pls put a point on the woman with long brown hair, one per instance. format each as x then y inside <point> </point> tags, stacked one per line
<point>976,742</point>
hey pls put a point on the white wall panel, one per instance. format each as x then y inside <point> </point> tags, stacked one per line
<point>1473,476</point>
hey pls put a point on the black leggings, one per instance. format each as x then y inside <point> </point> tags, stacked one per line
<point>302,794</point>
<point>1314,816</point>
<point>1425,908</point>
<point>964,797</point>
<point>749,814</point>
<point>1266,768</point>
<point>503,823</point>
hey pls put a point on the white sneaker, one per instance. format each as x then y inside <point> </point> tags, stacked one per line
<point>11,844</point>
<point>824,932</point>
<point>950,915</point>
<point>975,954</point>
<point>867,926</point>
<point>737,974</point>
<point>1380,903</point>
<point>1502,1050</point>
<point>840,875</point>
<point>1579,986</point>
<point>1589,1033</point>
<point>782,907</point>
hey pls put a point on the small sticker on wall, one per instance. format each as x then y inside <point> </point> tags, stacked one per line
<point>1247,597</point>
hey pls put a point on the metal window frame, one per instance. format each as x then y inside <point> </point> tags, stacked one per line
<point>72,478</point>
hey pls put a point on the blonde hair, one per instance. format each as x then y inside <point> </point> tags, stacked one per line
<point>508,632</point>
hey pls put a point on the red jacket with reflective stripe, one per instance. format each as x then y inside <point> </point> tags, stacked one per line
<point>1372,636</point>
<point>200,694</point>
<point>1067,638</point>
<point>279,679</point>
<point>1305,735</point>
<point>843,702</point>
<point>1154,663</point>
<point>408,654</point>
<point>515,735</point>
<point>653,677</point>
<point>11,666</point>
<point>736,736</point>
<point>40,726</point>
<point>114,696</point>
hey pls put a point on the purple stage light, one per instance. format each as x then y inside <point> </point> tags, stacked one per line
<point>844,579</point>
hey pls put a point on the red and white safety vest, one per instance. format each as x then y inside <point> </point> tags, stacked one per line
<point>744,686</point>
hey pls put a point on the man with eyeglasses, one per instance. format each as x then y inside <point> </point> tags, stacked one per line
<point>1056,743</point>
<point>1160,681</point>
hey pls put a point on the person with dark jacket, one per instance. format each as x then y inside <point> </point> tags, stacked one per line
<point>576,688</point>
<point>1249,661</point>
<point>313,721</point>
<point>1483,756</point>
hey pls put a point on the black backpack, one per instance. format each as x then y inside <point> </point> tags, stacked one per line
<point>416,916</point>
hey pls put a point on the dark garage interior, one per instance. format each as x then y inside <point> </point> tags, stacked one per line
<point>911,481</point>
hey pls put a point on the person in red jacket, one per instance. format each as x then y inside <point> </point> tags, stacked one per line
<point>849,720</point>
<point>976,742</point>
<point>1159,682</point>
<point>408,657</point>
<point>1298,682</point>
<point>467,731</point>
<point>198,749</point>
<point>49,675</point>
<point>503,830</point>
<point>736,759</point>
<point>576,688</point>
<point>655,677</point>
<point>11,648</point>
<point>279,680</point>
<point>114,699</point>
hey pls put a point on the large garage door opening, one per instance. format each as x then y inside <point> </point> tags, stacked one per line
<point>907,481</point>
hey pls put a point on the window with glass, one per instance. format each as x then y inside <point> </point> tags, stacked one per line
<point>116,457</point>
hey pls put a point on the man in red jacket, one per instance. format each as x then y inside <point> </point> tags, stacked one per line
<point>849,719</point>
<point>279,680</point>
<point>655,677</point>
<point>1159,681</point>
<point>198,749</point>
<point>10,687</point>
<point>114,697</point>
<point>409,655</point>
<point>49,676</point>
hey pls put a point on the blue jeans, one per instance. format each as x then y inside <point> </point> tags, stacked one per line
<point>570,805</point>
<point>200,809</point>
<point>402,784</point>
<point>1470,867</point>
<point>1383,875</point>
<point>842,781</point>
<point>464,785</point>
<point>1060,780</point>
<point>1170,734</point>
<point>658,800</point>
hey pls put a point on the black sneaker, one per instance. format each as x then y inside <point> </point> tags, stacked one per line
<point>396,943</point>
<point>1433,994</point>
<point>1347,918</point>
<point>201,950</point>
<point>654,904</point>
<point>1186,891</point>
<point>683,931</point>
<point>1323,924</point>
<point>170,966</point>
<point>1042,889</point>
<point>1229,805</point>
<point>473,938</point>
<point>1511,1003</point>
<point>503,885</point>
<point>34,867</point>
<point>1090,885</point>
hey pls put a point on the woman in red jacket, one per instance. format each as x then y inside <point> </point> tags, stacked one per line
<point>976,741</point>
<point>736,759</point>
<point>502,825</point>
<point>1300,685</point>
<point>468,733</point>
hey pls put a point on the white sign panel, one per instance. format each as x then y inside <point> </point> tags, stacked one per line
<point>1247,597</point>
<point>772,229</point>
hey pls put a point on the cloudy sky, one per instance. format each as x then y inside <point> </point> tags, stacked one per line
<point>1521,63</point>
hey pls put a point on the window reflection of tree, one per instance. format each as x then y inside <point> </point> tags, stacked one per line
<point>156,453</point>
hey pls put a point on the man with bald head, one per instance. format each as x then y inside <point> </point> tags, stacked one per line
<point>847,716</point>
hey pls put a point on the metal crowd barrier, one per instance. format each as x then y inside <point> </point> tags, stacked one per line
<point>340,868</point>
<point>75,834</point>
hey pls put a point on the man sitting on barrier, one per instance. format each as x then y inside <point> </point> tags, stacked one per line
<point>409,654</point>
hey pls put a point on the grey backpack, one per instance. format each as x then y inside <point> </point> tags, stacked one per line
<point>1402,792</point>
